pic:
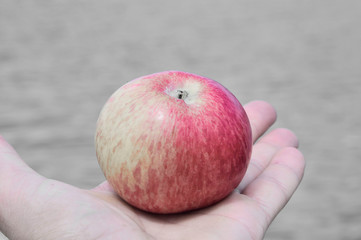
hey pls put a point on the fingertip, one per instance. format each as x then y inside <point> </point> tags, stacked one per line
<point>261,115</point>
<point>264,107</point>
<point>104,186</point>
<point>10,160</point>
<point>261,102</point>
<point>290,135</point>
<point>5,147</point>
<point>1,139</point>
<point>282,137</point>
<point>293,159</point>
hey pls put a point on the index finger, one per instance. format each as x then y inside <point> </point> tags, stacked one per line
<point>261,115</point>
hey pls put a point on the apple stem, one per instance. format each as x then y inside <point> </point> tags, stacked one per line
<point>181,94</point>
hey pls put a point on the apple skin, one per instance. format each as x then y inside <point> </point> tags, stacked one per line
<point>163,152</point>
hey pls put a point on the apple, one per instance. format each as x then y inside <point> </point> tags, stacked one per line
<point>172,142</point>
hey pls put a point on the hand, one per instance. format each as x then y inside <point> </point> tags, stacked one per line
<point>34,207</point>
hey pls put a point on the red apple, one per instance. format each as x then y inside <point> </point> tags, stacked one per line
<point>173,141</point>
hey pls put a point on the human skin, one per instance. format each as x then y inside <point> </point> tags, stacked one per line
<point>34,207</point>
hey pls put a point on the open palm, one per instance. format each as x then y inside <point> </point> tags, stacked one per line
<point>34,207</point>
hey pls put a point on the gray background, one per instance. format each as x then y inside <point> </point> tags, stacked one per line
<point>61,60</point>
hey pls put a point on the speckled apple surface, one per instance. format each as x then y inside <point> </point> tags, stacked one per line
<point>166,153</point>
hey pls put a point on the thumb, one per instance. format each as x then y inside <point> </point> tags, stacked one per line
<point>11,165</point>
<point>15,178</point>
<point>15,174</point>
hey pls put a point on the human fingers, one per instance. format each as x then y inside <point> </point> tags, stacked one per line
<point>264,150</point>
<point>272,189</point>
<point>11,165</point>
<point>104,187</point>
<point>261,115</point>
<point>14,172</point>
<point>16,177</point>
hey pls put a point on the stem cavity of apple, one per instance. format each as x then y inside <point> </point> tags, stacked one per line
<point>179,94</point>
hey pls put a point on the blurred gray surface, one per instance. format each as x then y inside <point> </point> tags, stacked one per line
<point>61,60</point>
